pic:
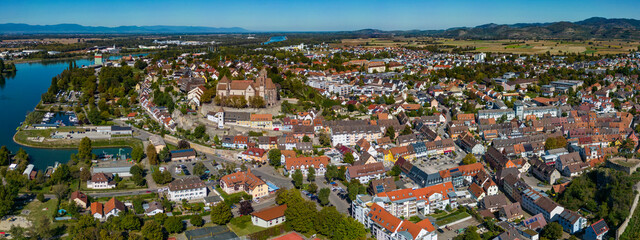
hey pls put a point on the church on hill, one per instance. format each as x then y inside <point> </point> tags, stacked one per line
<point>262,86</point>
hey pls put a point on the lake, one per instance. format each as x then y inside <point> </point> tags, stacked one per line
<point>20,94</point>
<point>275,39</point>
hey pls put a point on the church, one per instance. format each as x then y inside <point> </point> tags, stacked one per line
<point>262,86</point>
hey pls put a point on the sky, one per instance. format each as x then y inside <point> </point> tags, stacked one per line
<point>310,15</point>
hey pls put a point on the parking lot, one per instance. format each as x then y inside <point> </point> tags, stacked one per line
<point>80,134</point>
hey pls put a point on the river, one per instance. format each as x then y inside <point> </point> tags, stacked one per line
<point>19,95</point>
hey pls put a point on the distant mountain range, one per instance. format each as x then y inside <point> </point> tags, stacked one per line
<point>596,27</point>
<point>21,28</point>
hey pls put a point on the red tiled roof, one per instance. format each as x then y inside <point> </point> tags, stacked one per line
<point>271,213</point>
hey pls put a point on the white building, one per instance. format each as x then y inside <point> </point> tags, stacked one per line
<point>187,188</point>
<point>269,217</point>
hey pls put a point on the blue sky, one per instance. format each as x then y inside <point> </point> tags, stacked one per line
<point>310,15</point>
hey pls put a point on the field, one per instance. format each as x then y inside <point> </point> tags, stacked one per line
<point>22,137</point>
<point>455,216</point>
<point>595,47</point>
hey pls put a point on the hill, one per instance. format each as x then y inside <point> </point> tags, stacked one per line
<point>596,27</point>
<point>21,28</point>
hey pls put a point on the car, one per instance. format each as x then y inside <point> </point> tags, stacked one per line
<point>148,191</point>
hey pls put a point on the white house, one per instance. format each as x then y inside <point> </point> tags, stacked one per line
<point>187,188</point>
<point>269,217</point>
<point>100,181</point>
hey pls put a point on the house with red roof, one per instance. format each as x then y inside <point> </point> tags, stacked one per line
<point>386,226</point>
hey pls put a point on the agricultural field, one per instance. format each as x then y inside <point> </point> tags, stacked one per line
<point>595,47</point>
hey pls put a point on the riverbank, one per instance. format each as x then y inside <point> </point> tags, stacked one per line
<point>79,57</point>
<point>22,138</point>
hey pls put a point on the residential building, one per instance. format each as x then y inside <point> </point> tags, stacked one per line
<point>101,181</point>
<point>152,208</point>
<point>187,188</point>
<point>244,182</point>
<point>384,225</point>
<point>571,221</point>
<point>319,165</point>
<point>381,185</point>
<point>596,231</point>
<point>79,199</point>
<point>365,173</point>
<point>269,217</point>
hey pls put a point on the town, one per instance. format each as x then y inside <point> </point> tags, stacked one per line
<point>310,136</point>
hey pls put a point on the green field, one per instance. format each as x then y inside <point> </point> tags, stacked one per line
<point>455,216</point>
<point>21,138</point>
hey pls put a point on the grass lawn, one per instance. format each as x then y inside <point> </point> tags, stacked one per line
<point>148,196</point>
<point>36,209</point>
<point>439,215</point>
<point>242,226</point>
<point>455,216</point>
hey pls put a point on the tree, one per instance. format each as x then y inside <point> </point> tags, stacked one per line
<point>199,131</point>
<point>151,154</point>
<point>164,154</point>
<point>390,132</point>
<point>552,231</point>
<point>331,173</point>
<point>406,130</point>
<point>196,220</point>
<point>131,222</point>
<point>4,156</point>
<point>152,230</point>
<point>84,149</point>
<point>306,139</point>
<point>395,171</point>
<point>7,199</point>
<point>174,225</point>
<point>297,178</point>
<point>311,175</point>
<point>199,169</point>
<point>44,229</point>
<point>301,216</point>
<point>323,196</point>
<point>137,206</point>
<point>353,189</point>
<point>183,144</point>
<point>348,158</point>
<point>85,174</point>
<point>469,234</point>
<point>161,177</point>
<point>61,175</point>
<point>245,208</point>
<point>469,159</point>
<point>60,190</point>
<point>312,188</point>
<point>328,221</point>
<point>137,154</point>
<point>221,213</point>
<point>275,156</point>
<point>40,197</point>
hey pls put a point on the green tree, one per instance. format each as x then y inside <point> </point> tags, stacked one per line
<point>331,173</point>
<point>221,213</point>
<point>275,156</point>
<point>152,230</point>
<point>84,149</point>
<point>174,225</point>
<point>196,220</point>
<point>406,130</point>
<point>311,175</point>
<point>469,159</point>
<point>137,153</point>
<point>4,156</point>
<point>312,188</point>
<point>199,169</point>
<point>306,139</point>
<point>151,155</point>
<point>552,231</point>
<point>301,216</point>
<point>40,197</point>
<point>199,131</point>
<point>297,178</point>
<point>348,158</point>
<point>390,132</point>
<point>395,171</point>
<point>323,196</point>
<point>328,219</point>
<point>131,222</point>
